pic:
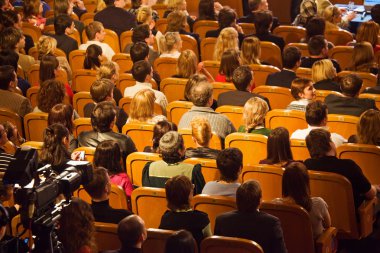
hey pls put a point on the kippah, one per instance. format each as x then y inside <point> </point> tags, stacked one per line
<point>170,142</point>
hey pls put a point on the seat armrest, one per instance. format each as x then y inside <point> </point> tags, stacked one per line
<point>327,242</point>
<point>367,217</point>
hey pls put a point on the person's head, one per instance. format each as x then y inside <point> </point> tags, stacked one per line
<point>144,15</point>
<point>5,5</point>
<point>11,133</point>
<point>142,106</point>
<point>139,51</point>
<point>176,21</point>
<point>278,147</point>
<point>375,13</point>
<point>187,64</point>
<point>108,155</point>
<point>227,39</point>
<point>11,18</point>
<point>250,51</point>
<point>230,163</point>
<point>48,67</point>
<point>315,26</point>
<point>255,5</point>
<point>368,31</point>
<point>316,113</point>
<point>317,46</point>
<point>95,31</point>
<point>108,70</point>
<point>103,116</point>
<point>8,77</point>
<point>76,226</point>
<point>362,54</point>
<point>99,188</point>
<point>332,14</point>
<point>63,114</point>
<point>201,131</point>
<point>227,17</point>
<point>9,57</point>
<point>46,46</point>
<point>63,7</point>
<point>170,41</point>
<point>3,140</point>
<point>120,3</point>
<point>206,10</point>
<point>93,56</point>
<point>368,127</point>
<point>182,241</point>
<point>31,8</point>
<point>51,92</point>
<point>254,112</point>
<point>229,62</point>
<point>291,57</point>
<point>11,39</point>
<point>296,184</point>
<point>63,24</point>
<point>109,2</point>
<point>302,88</point>
<point>242,78</point>
<point>177,5</point>
<point>323,70</point>
<point>350,85</point>
<point>131,231</point>
<point>159,129</point>
<point>248,196</point>
<point>142,33</point>
<point>201,94</point>
<point>171,147</point>
<point>319,143</point>
<point>102,90</point>
<point>56,141</point>
<point>179,192</point>
<point>194,79</point>
<point>263,22</point>
<point>142,71</point>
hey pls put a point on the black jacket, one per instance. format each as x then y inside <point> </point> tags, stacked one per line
<point>284,78</point>
<point>104,213</point>
<point>116,19</point>
<point>202,152</point>
<point>348,106</point>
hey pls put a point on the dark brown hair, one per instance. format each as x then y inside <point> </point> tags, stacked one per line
<point>318,142</point>
<point>228,63</point>
<point>51,93</point>
<point>178,190</point>
<point>108,155</point>
<point>278,147</point>
<point>62,113</point>
<point>248,196</point>
<point>95,188</point>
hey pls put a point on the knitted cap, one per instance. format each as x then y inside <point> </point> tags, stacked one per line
<point>170,142</point>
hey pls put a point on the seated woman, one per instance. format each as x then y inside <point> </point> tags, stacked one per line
<point>110,70</point>
<point>229,62</point>
<point>201,132</point>
<point>208,10</point>
<point>51,93</point>
<point>368,129</point>
<point>170,45</point>
<point>33,13</point>
<point>13,133</point>
<point>324,75</point>
<point>254,112</point>
<point>159,129</point>
<point>303,91</point>
<point>368,32</point>
<point>179,5</point>
<point>172,150</point>
<point>188,65</point>
<point>108,155</point>
<point>142,108</point>
<point>363,58</point>
<point>250,51</point>
<point>179,193</point>
<point>230,165</point>
<point>296,190</point>
<point>177,23</point>
<point>227,39</point>
<point>278,148</point>
<point>93,58</point>
<point>333,17</point>
<point>64,114</point>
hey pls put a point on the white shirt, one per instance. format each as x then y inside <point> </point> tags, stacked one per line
<point>107,50</point>
<point>174,55</point>
<point>302,133</point>
<point>160,97</point>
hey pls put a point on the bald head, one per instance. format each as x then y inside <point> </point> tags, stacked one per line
<point>131,231</point>
<point>201,93</point>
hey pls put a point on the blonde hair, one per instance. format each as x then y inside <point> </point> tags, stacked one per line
<point>201,131</point>
<point>144,14</point>
<point>142,106</point>
<point>368,127</point>
<point>168,42</point>
<point>46,45</point>
<point>187,64</point>
<point>330,13</point>
<point>368,31</point>
<point>174,4</point>
<point>107,70</point>
<point>254,112</point>
<point>100,6</point>
<point>322,70</point>
<point>363,57</point>
<point>227,39</point>
<point>250,51</point>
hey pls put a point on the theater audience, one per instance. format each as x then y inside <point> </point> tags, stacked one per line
<point>278,148</point>
<point>302,89</point>
<point>228,63</point>
<point>230,164</point>
<point>227,39</point>
<point>368,128</point>
<point>159,129</point>
<point>13,133</point>
<point>181,241</point>
<point>179,193</point>
<point>324,75</point>
<point>254,112</point>
<point>249,223</point>
<point>33,13</point>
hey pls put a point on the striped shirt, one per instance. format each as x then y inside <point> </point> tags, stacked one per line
<point>5,160</point>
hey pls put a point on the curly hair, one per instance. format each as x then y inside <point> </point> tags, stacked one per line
<point>227,39</point>
<point>254,113</point>
<point>46,46</point>
<point>187,64</point>
<point>51,92</point>
<point>176,21</point>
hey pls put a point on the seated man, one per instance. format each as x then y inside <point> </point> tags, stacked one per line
<point>99,189</point>
<point>316,117</point>
<point>323,158</point>
<point>349,103</point>
<point>254,6</point>
<point>64,26</point>
<point>291,60</point>
<point>102,90</point>
<point>172,149</point>
<point>95,34</point>
<point>201,96</point>
<point>243,80</point>
<point>249,223</point>
<point>103,118</point>
<point>318,50</point>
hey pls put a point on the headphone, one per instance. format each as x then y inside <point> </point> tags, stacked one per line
<point>4,218</point>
